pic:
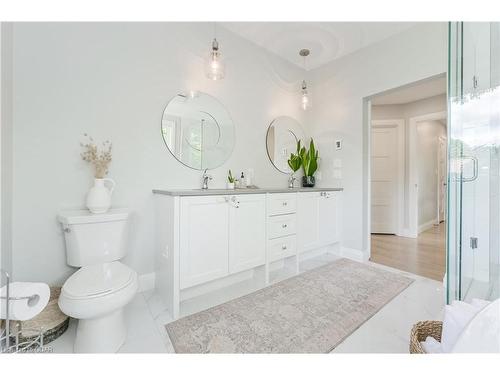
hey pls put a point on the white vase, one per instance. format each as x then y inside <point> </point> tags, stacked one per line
<point>230,185</point>
<point>99,196</point>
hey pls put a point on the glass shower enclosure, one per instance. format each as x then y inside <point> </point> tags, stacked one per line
<point>473,217</point>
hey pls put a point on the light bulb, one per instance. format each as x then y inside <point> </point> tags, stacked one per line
<point>306,101</point>
<point>215,65</point>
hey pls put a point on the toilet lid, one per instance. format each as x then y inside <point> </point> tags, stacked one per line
<point>98,280</point>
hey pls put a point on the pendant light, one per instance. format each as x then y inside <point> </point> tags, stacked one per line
<point>214,66</point>
<point>305,98</point>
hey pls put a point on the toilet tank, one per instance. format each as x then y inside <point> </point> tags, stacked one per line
<point>94,238</point>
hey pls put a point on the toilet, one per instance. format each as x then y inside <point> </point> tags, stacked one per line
<point>97,293</point>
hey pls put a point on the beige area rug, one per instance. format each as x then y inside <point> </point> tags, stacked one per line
<point>309,313</point>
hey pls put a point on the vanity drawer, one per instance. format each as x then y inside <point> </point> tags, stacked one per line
<point>281,226</point>
<point>280,248</point>
<point>280,204</point>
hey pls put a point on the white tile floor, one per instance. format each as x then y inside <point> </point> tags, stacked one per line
<point>386,332</point>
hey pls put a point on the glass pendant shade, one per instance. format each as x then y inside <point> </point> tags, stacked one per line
<point>214,67</point>
<point>305,99</point>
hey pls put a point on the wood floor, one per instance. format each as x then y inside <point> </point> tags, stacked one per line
<point>424,256</point>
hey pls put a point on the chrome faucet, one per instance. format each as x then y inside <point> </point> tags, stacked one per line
<point>291,181</point>
<point>206,178</point>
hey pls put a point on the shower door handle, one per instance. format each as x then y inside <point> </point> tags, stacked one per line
<point>459,166</point>
<point>475,169</point>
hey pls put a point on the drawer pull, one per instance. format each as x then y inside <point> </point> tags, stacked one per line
<point>284,226</point>
<point>285,203</point>
<point>283,247</point>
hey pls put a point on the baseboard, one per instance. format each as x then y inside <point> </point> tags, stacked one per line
<point>146,282</point>
<point>308,254</point>
<point>426,226</point>
<point>217,284</point>
<point>406,233</point>
<point>354,254</point>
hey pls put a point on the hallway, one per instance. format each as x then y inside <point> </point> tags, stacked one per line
<point>424,256</point>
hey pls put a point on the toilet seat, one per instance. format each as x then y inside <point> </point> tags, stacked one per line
<point>98,280</point>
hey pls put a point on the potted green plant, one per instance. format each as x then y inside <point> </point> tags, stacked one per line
<point>230,180</point>
<point>294,162</point>
<point>309,160</point>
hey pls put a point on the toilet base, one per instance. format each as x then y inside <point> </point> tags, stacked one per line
<point>105,334</point>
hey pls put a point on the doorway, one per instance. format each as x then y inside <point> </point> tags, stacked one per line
<point>408,176</point>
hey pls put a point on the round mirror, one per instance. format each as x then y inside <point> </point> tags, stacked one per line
<point>282,136</point>
<point>198,130</point>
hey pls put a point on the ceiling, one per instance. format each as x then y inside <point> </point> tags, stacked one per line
<point>326,40</point>
<point>412,93</point>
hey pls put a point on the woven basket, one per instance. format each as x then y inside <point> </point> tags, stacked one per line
<point>421,331</point>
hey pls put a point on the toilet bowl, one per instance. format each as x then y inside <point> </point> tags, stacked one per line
<point>96,295</point>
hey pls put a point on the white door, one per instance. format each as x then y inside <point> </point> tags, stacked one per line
<point>308,221</point>
<point>442,172</point>
<point>247,233</point>
<point>328,218</point>
<point>384,179</point>
<point>204,239</point>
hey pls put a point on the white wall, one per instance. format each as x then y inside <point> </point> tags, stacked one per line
<point>338,92</point>
<point>428,133</point>
<point>406,111</point>
<point>113,81</point>
<point>6,146</point>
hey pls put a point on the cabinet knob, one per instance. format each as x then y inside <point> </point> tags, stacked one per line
<point>284,203</point>
<point>284,226</point>
<point>283,247</point>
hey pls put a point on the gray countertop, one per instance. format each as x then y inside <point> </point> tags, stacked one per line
<point>196,192</point>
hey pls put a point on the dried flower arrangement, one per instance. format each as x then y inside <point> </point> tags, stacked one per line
<point>100,159</point>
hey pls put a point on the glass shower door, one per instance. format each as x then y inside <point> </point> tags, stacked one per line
<point>473,243</point>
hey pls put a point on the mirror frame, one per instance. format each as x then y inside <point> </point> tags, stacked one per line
<point>295,135</point>
<point>219,136</point>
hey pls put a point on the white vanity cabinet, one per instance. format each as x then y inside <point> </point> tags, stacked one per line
<point>308,221</point>
<point>281,226</point>
<point>220,235</point>
<point>208,241</point>
<point>328,211</point>
<point>317,215</point>
<point>204,239</point>
<point>247,232</point>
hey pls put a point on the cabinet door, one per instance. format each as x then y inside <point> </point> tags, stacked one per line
<point>308,221</point>
<point>247,244</point>
<point>204,239</point>
<point>328,232</point>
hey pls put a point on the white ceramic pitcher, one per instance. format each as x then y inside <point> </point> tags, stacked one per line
<point>99,196</point>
